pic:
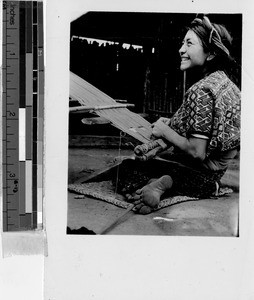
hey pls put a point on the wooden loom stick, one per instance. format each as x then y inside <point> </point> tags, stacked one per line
<point>127,121</point>
<point>151,154</point>
<point>144,148</point>
<point>87,94</point>
<point>109,226</point>
<point>86,91</point>
<point>98,107</point>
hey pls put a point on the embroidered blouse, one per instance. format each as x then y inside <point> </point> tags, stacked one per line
<point>211,108</point>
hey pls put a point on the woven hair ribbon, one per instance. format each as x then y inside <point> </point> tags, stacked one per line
<point>214,35</point>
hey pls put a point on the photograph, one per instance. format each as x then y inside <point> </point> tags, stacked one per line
<point>154,124</point>
<point>126,150</point>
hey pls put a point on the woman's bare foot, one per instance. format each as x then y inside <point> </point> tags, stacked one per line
<point>150,194</point>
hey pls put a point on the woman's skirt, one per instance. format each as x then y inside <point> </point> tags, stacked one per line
<point>189,178</point>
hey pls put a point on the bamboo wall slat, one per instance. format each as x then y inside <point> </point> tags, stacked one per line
<point>122,118</point>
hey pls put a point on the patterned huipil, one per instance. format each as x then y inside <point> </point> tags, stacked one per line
<point>211,108</point>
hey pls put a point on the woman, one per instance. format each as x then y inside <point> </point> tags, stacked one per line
<point>205,131</point>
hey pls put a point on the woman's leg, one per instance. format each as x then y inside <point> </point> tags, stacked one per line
<point>172,176</point>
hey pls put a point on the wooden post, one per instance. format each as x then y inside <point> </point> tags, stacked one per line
<point>184,83</point>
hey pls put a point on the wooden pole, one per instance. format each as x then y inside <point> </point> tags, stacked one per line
<point>99,107</point>
<point>184,83</point>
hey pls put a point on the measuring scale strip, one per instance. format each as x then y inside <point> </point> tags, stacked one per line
<point>22,106</point>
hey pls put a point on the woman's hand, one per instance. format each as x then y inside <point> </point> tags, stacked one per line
<point>195,147</point>
<point>159,128</point>
<point>164,120</point>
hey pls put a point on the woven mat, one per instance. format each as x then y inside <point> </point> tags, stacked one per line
<point>104,190</point>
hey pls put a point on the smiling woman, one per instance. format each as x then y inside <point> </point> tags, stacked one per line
<point>192,52</point>
<point>205,130</point>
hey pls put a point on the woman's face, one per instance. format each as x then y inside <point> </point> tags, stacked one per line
<point>192,52</point>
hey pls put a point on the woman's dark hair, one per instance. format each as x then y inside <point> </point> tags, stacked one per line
<point>215,39</point>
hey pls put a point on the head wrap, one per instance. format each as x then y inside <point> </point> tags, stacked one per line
<point>214,36</point>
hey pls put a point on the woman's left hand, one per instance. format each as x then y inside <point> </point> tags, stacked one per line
<point>159,128</point>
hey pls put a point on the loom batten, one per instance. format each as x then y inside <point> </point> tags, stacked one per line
<point>122,118</point>
<point>101,107</point>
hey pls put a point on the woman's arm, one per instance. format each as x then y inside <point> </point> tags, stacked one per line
<point>196,147</point>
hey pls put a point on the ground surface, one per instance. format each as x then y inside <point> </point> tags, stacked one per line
<point>218,217</point>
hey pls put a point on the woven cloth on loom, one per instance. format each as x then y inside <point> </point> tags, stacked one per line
<point>104,190</point>
<point>122,118</point>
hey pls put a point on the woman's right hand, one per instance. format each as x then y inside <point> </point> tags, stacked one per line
<point>164,120</point>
